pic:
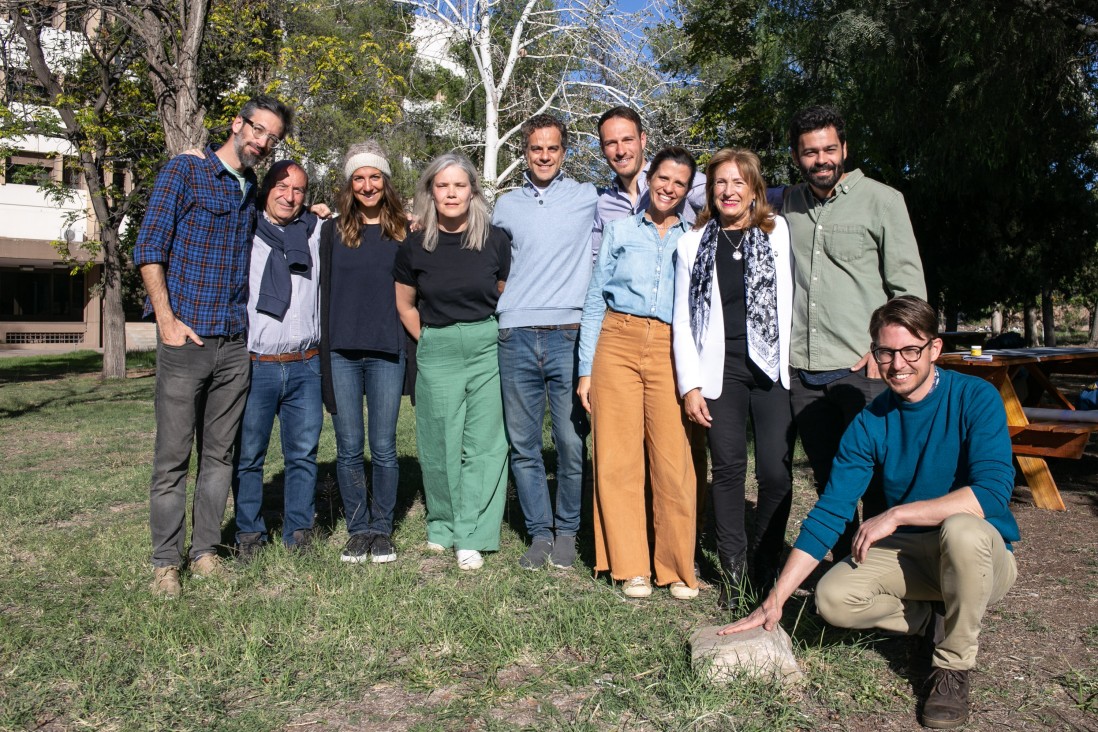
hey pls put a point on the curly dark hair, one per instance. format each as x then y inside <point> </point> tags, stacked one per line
<point>815,118</point>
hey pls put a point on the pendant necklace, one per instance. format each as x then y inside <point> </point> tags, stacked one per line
<point>737,254</point>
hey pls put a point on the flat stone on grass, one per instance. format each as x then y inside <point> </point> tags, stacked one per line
<point>753,652</point>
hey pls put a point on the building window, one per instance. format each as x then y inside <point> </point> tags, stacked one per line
<point>41,295</point>
<point>27,168</point>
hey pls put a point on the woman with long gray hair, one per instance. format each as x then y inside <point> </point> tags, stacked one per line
<point>455,267</point>
<point>362,346</point>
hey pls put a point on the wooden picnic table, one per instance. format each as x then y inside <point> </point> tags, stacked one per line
<point>1037,433</point>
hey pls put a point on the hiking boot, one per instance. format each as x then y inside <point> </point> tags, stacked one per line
<point>302,540</point>
<point>681,591</point>
<point>382,550</point>
<point>469,559</point>
<point>946,704</point>
<point>732,579</point>
<point>563,555</point>
<point>208,565</point>
<point>537,556</point>
<point>637,587</point>
<point>357,548</point>
<point>248,548</point>
<point>166,583</point>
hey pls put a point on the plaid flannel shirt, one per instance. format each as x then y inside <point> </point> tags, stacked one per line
<point>200,227</point>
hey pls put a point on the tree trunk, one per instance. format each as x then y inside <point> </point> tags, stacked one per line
<point>114,317</point>
<point>1031,326</point>
<point>997,320</point>
<point>951,319</point>
<point>1092,340</point>
<point>1048,318</point>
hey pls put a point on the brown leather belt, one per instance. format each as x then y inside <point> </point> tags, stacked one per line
<point>566,326</point>
<point>284,357</point>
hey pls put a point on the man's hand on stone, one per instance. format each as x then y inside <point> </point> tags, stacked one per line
<point>767,615</point>
<point>870,532</point>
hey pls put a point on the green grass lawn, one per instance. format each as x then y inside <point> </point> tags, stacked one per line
<point>306,641</point>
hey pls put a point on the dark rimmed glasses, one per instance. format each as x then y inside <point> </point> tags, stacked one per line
<point>261,133</point>
<point>910,354</point>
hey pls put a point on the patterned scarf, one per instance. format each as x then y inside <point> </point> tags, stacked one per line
<point>760,288</point>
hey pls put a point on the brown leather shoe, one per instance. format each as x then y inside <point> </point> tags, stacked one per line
<point>166,583</point>
<point>208,565</point>
<point>946,704</point>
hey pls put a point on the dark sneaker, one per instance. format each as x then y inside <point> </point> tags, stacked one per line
<point>357,548</point>
<point>248,548</point>
<point>537,556</point>
<point>946,704</point>
<point>382,550</point>
<point>563,555</point>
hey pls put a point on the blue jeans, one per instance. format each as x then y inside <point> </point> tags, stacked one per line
<point>535,365</point>
<point>380,376</point>
<point>292,391</point>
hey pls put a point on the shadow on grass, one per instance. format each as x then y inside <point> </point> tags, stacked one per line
<point>14,369</point>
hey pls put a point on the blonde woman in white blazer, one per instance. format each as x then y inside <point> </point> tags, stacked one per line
<point>730,332</point>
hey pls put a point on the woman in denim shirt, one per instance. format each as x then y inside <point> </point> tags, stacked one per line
<point>627,383</point>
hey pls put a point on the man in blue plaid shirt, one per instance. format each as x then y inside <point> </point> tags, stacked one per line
<point>193,253</point>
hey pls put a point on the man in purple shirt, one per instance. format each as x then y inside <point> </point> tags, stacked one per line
<point>192,251</point>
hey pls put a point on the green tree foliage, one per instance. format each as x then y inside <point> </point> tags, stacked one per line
<point>983,112</point>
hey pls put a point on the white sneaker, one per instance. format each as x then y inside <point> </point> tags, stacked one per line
<point>469,559</point>
<point>435,548</point>
<point>637,587</point>
<point>680,591</point>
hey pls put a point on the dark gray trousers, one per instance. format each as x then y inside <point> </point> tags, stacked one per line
<point>200,396</point>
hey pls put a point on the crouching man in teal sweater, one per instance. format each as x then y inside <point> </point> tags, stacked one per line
<point>940,443</point>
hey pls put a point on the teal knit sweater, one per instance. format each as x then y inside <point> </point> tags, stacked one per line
<point>954,437</point>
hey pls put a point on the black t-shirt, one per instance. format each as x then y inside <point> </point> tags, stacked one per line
<point>730,277</point>
<point>362,310</point>
<point>455,285</point>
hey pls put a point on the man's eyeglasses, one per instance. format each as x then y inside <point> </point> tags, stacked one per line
<point>261,133</point>
<point>910,353</point>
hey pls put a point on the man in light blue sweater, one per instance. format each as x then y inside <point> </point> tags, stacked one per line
<point>550,220</point>
<point>942,551</point>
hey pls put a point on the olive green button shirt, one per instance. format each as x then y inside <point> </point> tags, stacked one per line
<point>854,252</point>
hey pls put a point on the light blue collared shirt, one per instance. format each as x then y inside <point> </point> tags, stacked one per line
<point>299,329</point>
<point>634,274</point>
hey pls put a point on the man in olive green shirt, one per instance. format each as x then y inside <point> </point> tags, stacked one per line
<point>854,250</point>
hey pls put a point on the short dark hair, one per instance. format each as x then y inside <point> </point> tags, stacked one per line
<point>624,113</point>
<point>540,122</point>
<point>913,313</point>
<point>815,118</point>
<point>272,105</point>
<point>675,154</point>
<point>273,176</point>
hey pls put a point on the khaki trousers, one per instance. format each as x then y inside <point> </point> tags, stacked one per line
<point>964,564</point>
<point>636,412</point>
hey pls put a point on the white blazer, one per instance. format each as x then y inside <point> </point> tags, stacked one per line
<point>705,369</point>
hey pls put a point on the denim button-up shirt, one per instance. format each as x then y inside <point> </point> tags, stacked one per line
<point>634,274</point>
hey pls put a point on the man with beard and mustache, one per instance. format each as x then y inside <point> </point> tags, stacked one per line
<point>193,254</point>
<point>854,250</point>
